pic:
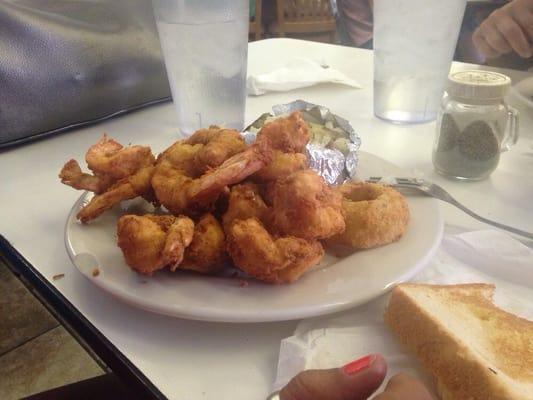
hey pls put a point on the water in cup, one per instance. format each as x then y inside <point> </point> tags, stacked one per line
<point>205,44</point>
<point>414,42</point>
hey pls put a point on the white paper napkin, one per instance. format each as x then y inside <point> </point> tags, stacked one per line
<point>482,256</point>
<point>297,73</point>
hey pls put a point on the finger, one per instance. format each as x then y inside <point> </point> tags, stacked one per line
<point>355,381</point>
<point>495,39</point>
<point>524,17</point>
<point>526,23</point>
<point>482,45</point>
<point>403,386</point>
<point>513,35</point>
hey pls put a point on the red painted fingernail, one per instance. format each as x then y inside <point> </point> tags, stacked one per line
<point>358,365</point>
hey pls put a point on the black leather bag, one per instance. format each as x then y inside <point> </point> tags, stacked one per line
<point>67,63</point>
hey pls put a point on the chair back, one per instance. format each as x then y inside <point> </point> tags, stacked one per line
<point>256,27</point>
<point>305,10</point>
<point>304,17</point>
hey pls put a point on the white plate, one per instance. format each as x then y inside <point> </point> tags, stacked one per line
<point>336,284</point>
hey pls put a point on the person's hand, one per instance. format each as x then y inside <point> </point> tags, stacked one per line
<point>506,29</point>
<point>355,381</point>
<point>402,386</point>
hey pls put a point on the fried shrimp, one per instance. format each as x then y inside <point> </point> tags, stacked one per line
<point>282,165</point>
<point>109,161</point>
<point>267,258</point>
<point>72,175</point>
<point>245,202</point>
<point>111,158</point>
<point>375,215</point>
<point>180,156</point>
<point>218,145</point>
<point>207,251</point>
<point>289,134</point>
<point>151,242</point>
<point>305,206</point>
<point>182,193</point>
<point>127,188</point>
<point>288,137</point>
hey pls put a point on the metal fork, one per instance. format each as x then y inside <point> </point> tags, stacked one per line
<point>433,190</point>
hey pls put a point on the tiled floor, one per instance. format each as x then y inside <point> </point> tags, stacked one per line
<point>36,352</point>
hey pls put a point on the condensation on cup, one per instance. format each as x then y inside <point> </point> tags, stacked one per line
<point>414,43</point>
<point>205,44</point>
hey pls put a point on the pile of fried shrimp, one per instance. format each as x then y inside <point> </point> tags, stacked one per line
<point>258,207</point>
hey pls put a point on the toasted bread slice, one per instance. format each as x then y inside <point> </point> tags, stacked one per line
<point>474,350</point>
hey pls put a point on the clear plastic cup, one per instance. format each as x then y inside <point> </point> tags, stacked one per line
<point>414,42</point>
<point>205,44</point>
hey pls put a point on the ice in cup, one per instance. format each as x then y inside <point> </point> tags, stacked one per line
<point>205,44</point>
<point>414,42</point>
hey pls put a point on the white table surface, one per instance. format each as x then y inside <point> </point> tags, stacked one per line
<point>198,360</point>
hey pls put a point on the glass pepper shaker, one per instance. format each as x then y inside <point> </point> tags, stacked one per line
<point>474,125</point>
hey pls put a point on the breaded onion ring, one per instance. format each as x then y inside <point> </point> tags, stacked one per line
<point>375,215</point>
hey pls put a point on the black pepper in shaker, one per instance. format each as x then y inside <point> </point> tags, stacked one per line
<point>479,149</point>
<point>444,154</point>
<point>478,142</point>
<point>449,132</point>
<point>469,129</point>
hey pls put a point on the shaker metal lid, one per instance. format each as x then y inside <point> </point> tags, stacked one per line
<point>478,85</point>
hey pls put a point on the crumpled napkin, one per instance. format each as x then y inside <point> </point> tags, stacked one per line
<point>482,256</point>
<point>297,73</point>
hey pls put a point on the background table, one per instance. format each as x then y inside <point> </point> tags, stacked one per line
<point>198,360</point>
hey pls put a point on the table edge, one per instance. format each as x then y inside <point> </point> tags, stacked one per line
<point>75,322</point>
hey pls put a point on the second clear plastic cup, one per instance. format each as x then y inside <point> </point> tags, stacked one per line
<point>414,43</point>
<point>205,44</point>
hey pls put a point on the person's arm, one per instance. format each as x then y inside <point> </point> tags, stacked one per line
<point>355,381</point>
<point>507,29</point>
<point>356,17</point>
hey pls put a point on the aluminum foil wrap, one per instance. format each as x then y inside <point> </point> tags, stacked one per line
<point>332,150</point>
